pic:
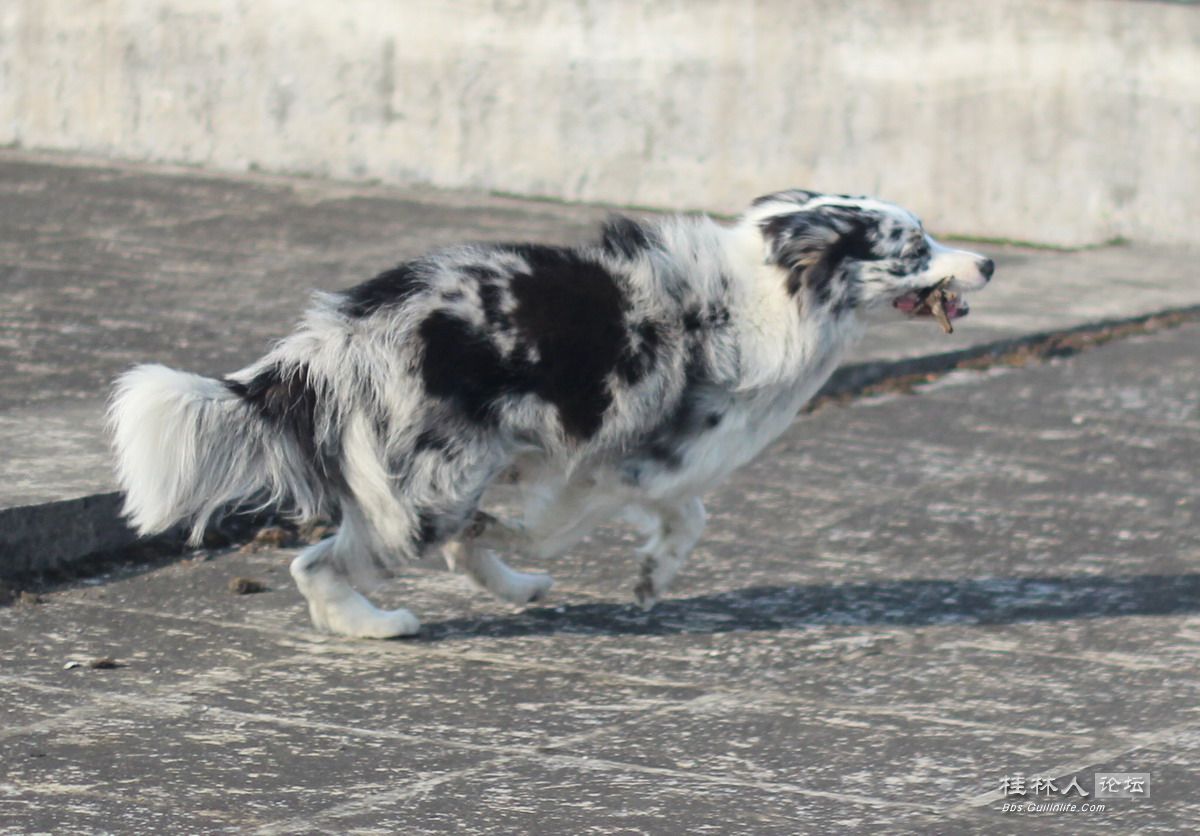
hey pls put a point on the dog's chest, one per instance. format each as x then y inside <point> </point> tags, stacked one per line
<point>740,423</point>
<point>747,425</point>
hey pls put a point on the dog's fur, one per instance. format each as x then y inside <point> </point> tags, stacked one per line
<point>631,374</point>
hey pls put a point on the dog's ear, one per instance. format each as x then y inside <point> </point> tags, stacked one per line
<point>812,244</point>
<point>796,196</point>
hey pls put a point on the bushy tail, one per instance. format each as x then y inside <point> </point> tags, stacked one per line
<point>187,445</point>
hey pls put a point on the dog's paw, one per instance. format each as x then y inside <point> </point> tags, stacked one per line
<point>357,618</point>
<point>389,624</point>
<point>524,587</point>
<point>645,594</point>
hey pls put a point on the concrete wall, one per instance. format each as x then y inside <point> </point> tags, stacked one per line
<point>1060,121</point>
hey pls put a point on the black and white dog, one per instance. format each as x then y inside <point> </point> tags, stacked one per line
<point>628,375</point>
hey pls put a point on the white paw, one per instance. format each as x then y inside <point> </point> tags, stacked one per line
<point>491,573</point>
<point>362,621</point>
<point>524,587</point>
<point>338,608</point>
<point>387,624</point>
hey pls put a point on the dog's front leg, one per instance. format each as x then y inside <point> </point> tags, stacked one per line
<point>677,530</point>
<point>472,554</point>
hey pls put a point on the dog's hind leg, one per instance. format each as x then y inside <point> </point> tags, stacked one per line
<point>472,553</point>
<point>395,507</point>
<point>675,531</point>
<point>335,606</point>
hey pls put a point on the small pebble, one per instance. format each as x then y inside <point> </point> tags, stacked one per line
<point>246,586</point>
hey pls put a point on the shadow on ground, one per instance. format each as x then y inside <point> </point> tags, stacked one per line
<point>982,601</point>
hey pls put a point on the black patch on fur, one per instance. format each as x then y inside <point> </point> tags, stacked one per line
<point>491,298</point>
<point>387,289</point>
<point>622,237</point>
<point>283,397</point>
<point>461,365</point>
<point>428,532</point>
<point>911,265</point>
<point>572,310</point>
<point>666,454</point>
<point>637,361</point>
<point>695,319</point>
<point>286,400</point>
<point>854,243</point>
<point>480,272</point>
<point>687,420</point>
<point>801,243</point>
<point>795,239</point>
<point>431,440</point>
<point>567,308</point>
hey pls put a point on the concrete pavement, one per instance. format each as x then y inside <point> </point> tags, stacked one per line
<point>105,265</point>
<point>903,602</point>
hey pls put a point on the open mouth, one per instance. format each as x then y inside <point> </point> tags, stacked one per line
<point>935,302</point>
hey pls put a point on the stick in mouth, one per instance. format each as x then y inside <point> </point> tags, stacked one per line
<point>935,300</point>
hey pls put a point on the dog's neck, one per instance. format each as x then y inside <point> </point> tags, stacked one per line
<point>788,340</point>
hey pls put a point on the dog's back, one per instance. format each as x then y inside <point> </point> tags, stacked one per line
<point>402,397</point>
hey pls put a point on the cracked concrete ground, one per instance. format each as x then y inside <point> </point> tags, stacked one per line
<point>902,602</point>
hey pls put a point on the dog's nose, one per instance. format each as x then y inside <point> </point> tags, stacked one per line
<point>987,267</point>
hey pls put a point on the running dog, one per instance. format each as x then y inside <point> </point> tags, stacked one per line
<point>626,376</point>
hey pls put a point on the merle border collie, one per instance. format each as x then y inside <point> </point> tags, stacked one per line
<point>626,376</point>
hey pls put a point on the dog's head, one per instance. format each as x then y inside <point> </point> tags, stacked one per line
<point>857,254</point>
